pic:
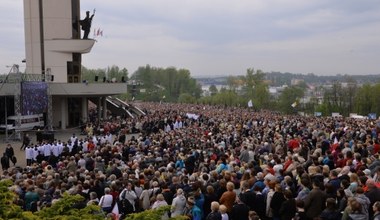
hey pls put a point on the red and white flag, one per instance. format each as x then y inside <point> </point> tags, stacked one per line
<point>115,212</point>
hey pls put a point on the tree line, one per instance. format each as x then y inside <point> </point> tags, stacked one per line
<point>170,84</point>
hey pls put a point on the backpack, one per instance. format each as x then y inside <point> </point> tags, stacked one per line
<point>125,205</point>
<point>14,159</point>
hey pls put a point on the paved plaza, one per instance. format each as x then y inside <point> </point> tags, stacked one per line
<point>62,135</point>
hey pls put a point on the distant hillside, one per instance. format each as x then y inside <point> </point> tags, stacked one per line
<point>279,79</point>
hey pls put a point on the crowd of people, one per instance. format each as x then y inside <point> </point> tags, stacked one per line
<point>212,163</point>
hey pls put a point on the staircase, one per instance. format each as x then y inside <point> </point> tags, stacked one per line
<point>119,107</point>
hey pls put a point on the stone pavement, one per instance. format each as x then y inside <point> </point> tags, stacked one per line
<point>62,135</point>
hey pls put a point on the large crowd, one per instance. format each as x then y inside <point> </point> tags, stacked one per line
<point>211,162</point>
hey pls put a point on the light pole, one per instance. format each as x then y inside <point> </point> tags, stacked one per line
<point>6,119</point>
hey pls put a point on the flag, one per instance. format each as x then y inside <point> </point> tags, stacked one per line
<point>294,104</point>
<point>115,212</point>
<point>250,104</point>
<point>336,140</point>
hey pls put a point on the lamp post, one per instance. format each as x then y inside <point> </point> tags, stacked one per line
<point>6,119</point>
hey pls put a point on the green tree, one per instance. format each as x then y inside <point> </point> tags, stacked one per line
<point>186,98</point>
<point>232,82</point>
<point>227,98</point>
<point>64,209</point>
<point>154,214</point>
<point>288,97</point>
<point>89,74</point>
<point>255,88</point>
<point>375,99</point>
<point>8,210</point>
<point>213,90</point>
<point>364,99</point>
<point>109,72</point>
<point>124,72</point>
<point>333,99</point>
<point>350,91</point>
<point>169,82</point>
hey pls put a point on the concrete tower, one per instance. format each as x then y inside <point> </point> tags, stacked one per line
<point>54,49</point>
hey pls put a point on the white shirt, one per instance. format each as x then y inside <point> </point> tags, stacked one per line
<point>103,140</point>
<point>109,138</point>
<point>47,150</point>
<point>82,163</point>
<point>60,147</point>
<point>55,150</point>
<point>41,149</point>
<point>73,139</point>
<point>35,153</point>
<point>70,146</point>
<point>178,125</point>
<point>85,148</point>
<point>29,153</point>
<point>106,201</point>
<point>277,169</point>
<point>94,140</point>
<point>168,128</point>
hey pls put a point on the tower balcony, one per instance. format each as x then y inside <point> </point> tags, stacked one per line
<point>69,45</point>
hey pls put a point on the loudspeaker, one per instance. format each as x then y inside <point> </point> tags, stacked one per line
<point>52,78</point>
<point>96,78</point>
<point>104,79</point>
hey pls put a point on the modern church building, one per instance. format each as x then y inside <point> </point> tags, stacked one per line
<point>54,49</point>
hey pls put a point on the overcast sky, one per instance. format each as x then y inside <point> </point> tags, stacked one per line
<point>222,37</point>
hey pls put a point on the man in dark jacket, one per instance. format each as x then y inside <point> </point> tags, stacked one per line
<point>5,161</point>
<point>25,141</point>
<point>315,201</point>
<point>334,180</point>
<point>239,210</point>
<point>9,151</point>
<point>247,196</point>
<point>288,207</point>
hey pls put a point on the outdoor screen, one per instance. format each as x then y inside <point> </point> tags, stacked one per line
<point>34,98</point>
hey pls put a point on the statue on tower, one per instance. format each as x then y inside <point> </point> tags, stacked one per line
<point>86,24</point>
